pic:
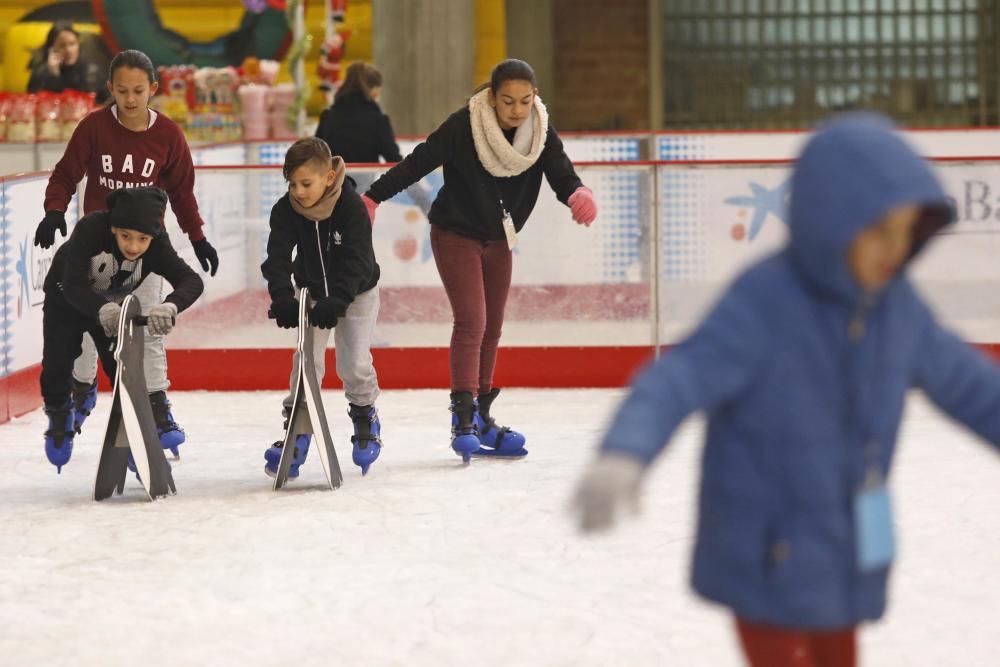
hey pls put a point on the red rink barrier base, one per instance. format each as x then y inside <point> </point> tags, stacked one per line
<point>409,368</point>
<point>20,393</point>
<point>398,368</point>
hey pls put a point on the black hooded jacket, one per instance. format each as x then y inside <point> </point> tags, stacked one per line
<point>89,270</point>
<point>338,249</point>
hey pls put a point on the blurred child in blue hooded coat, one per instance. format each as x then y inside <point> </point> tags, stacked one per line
<point>802,369</point>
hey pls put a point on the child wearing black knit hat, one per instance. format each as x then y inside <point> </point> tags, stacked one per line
<point>107,256</point>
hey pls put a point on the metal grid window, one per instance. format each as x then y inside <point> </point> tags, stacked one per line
<point>786,63</point>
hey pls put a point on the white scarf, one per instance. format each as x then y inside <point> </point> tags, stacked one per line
<point>499,156</point>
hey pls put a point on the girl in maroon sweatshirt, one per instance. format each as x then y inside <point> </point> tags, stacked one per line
<point>128,145</point>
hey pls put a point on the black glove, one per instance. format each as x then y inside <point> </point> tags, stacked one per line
<point>286,312</point>
<point>206,254</point>
<point>325,312</point>
<point>45,235</point>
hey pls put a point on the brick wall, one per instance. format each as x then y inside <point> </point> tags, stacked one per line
<point>601,64</point>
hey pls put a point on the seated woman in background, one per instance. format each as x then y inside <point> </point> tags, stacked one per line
<point>58,65</point>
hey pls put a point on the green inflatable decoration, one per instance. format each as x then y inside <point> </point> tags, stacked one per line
<point>134,24</point>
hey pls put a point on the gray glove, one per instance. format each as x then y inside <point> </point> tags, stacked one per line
<point>611,482</point>
<point>109,314</point>
<point>160,319</point>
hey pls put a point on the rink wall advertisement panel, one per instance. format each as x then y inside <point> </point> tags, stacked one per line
<point>715,220</point>
<point>23,267</point>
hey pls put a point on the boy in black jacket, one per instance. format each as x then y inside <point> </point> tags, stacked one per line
<point>108,255</point>
<point>323,219</point>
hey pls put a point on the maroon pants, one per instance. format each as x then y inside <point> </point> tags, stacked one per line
<point>769,646</point>
<point>476,277</point>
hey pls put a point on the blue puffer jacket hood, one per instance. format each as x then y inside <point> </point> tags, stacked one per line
<point>851,174</point>
<point>801,405</point>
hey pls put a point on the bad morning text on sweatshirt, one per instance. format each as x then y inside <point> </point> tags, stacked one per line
<point>113,157</point>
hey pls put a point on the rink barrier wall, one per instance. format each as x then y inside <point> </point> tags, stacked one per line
<point>611,146</point>
<point>587,306</point>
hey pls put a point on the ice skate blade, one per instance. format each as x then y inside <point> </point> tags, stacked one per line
<point>493,456</point>
<point>272,475</point>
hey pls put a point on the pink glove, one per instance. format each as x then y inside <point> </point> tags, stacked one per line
<point>370,206</point>
<point>583,206</point>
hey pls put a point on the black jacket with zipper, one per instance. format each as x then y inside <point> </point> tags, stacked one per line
<point>469,201</point>
<point>333,257</point>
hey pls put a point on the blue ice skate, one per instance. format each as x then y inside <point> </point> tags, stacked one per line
<point>367,439</point>
<point>464,434</point>
<point>59,436</point>
<point>171,435</point>
<point>497,441</point>
<point>273,456</point>
<point>84,400</point>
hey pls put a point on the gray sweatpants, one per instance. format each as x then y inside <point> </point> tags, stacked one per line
<point>352,338</point>
<point>149,293</point>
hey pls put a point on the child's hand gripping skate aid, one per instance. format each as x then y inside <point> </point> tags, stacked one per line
<point>108,315</point>
<point>160,319</point>
<point>326,312</point>
<point>611,483</point>
<point>285,312</point>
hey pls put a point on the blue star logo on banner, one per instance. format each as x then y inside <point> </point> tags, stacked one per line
<point>763,202</point>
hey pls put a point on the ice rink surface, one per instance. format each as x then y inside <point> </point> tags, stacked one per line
<point>426,562</point>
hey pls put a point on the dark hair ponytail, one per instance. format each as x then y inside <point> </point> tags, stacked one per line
<point>135,60</point>
<point>360,77</point>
